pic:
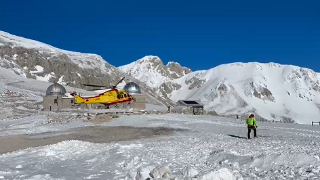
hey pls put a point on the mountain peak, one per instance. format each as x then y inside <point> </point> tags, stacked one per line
<point>152,71</point>
<point>174,63</point>
<point>150,59</point>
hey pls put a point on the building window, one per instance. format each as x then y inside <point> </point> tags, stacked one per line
<point>55,101</point>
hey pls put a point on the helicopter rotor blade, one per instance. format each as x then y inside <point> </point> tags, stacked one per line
<point>113,87</point>
<point>94,85</point>
<point>95,89</point>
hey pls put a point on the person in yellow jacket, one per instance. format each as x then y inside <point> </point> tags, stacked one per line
<point>252,124</point>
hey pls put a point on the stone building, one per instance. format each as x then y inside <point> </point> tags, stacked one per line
<point>188,107</point>
<point>55,98</point>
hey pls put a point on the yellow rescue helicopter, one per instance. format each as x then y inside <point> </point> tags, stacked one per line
<point>108,97</point>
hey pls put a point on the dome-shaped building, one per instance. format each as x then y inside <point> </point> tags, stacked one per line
<point>55,98</point>
<point>139,101</point>
<point>132,88</point>
<point>56,90</point>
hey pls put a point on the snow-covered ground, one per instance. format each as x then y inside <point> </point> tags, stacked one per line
<point>153,107</point>
<point>209,147</point>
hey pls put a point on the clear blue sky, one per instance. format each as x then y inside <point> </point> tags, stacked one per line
<point>197,34</point>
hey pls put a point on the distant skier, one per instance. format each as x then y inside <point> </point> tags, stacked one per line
<point>252,124</point>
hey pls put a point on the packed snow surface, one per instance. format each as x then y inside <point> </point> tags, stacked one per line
<point>209,148</point>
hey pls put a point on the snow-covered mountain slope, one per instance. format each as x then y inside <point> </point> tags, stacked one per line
<point>83,60</point>
<point>152,71</point>
<point>40,61</point>
<point>272,91</point>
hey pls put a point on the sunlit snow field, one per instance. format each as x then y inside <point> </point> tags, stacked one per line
<point>209,148</point>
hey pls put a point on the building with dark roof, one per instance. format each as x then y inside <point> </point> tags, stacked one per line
<point>188,107</point>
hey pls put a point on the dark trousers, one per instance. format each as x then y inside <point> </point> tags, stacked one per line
<point>254,131</point>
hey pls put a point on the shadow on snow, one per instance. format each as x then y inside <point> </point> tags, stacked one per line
<point>235,136</point>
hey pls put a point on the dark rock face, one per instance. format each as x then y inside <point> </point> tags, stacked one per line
<point>222,88</point>
<point>178,70</point>
<point>167,88</point>
<point>263,93</point>
<point>58,64</point>
<point>194,82</point>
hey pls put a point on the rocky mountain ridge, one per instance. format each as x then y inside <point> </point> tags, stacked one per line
<point>36,60</point>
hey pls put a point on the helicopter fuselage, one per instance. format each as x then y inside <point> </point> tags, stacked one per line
<point>108,97</point>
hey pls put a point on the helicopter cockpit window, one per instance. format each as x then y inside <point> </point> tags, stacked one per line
<point>121,96</point>
<point>125,96</point>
